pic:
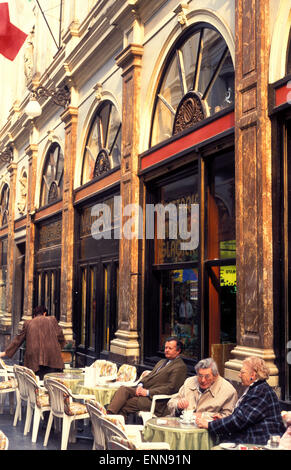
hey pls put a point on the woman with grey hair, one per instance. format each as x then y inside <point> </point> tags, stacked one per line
<point>257,414</point>
<point>206,392</point>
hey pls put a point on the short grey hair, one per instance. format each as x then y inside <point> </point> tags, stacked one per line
<point>207,363</point>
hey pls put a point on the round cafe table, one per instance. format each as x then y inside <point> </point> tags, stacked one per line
<point>102,393</point>
<point>180,436</point>
<point>70,378</point>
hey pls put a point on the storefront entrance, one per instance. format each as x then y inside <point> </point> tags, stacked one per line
<point>194,279</point>
<point>96,293</point>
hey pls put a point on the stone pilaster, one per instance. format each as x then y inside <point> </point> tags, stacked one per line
<point>253,189</point>
<point>6,319</point>
<point>70,119</point>
<point>32,152</point>
<point>126,343</point>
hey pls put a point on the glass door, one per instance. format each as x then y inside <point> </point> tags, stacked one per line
<point>97,300</point>
<point>47,290</point>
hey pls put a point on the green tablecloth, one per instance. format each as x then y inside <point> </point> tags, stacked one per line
<point>179,436</point>
<point>72,380</point>
<point>102,394</point>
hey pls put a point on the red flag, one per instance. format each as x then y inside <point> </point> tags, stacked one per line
<point>11,37</point>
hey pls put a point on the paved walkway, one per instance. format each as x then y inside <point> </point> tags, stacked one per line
<point>17,441</point>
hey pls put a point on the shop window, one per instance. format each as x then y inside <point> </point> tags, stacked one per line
<point>177,268</point>
<point>179,314</point>
<point>194,290</point>
<point>53,176</point>
<point>103,145</point>
<point>4,205</point>
<point>221,250</point>
<point>98,307</point>
<point>197,82</point>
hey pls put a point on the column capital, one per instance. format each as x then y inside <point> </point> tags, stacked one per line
<point>69,115</point>
<point>130,57</point>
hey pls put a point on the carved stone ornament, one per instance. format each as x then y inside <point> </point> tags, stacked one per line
<point>21,204</point>
<point>6,155</point>
<point>61,96</point>
<point>102,164</point>
<point>190,111</point>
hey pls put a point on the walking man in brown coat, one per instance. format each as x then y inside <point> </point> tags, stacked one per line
<point>44,340</point>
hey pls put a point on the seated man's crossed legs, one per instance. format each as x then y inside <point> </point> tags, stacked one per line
<point>125,401</point>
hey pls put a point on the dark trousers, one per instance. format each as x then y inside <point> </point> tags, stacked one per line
<point>125,401</point>
<point>46,370</point>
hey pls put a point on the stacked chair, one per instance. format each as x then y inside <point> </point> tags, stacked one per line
<point>8,386</point>
<point>38,403</point>
<point>101,432</point>
<point>62,406</point>
<point>23,394</point>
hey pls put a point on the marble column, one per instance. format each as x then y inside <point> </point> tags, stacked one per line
<point>253,189</point>
<point>126,344</point>
<point>70,119</point>
<point>32,152</point>
<point>6,319</point>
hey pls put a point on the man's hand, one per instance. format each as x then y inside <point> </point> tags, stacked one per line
<point>141,392</point>
<point>182,404</point>
<point>2,354</point>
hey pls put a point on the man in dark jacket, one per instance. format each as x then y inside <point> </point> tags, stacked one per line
<point>44,339</point>
<point>166,378</point>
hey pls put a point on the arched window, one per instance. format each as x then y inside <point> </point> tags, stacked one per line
<point>53,176</point>
<point>103,145</point>
<point>4,205</point>
<point>197,82</point>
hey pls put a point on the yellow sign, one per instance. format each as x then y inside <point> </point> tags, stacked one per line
<point>228,276</point>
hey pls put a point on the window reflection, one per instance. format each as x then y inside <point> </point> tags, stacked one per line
<point>179,309</point>
<point>52,178</point>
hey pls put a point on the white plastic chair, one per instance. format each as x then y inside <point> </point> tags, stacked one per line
<point>146,415</point>
<point>96,410</point>
<point>22,393</point>
<point>126,374</point>
<point>4,441</point>
<point>8,387</point>
<point>8,384</point>
<point>63,407</point>
<point>106,371</point>
<point>119,443</point>
<point>142,375</point>
<point>38,403</point>
<point>112,426</point>
<point>4,368</point>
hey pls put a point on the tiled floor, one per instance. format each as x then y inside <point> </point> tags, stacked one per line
<point>17,441</point>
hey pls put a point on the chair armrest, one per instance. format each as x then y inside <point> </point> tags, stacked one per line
<point>158,397</point>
